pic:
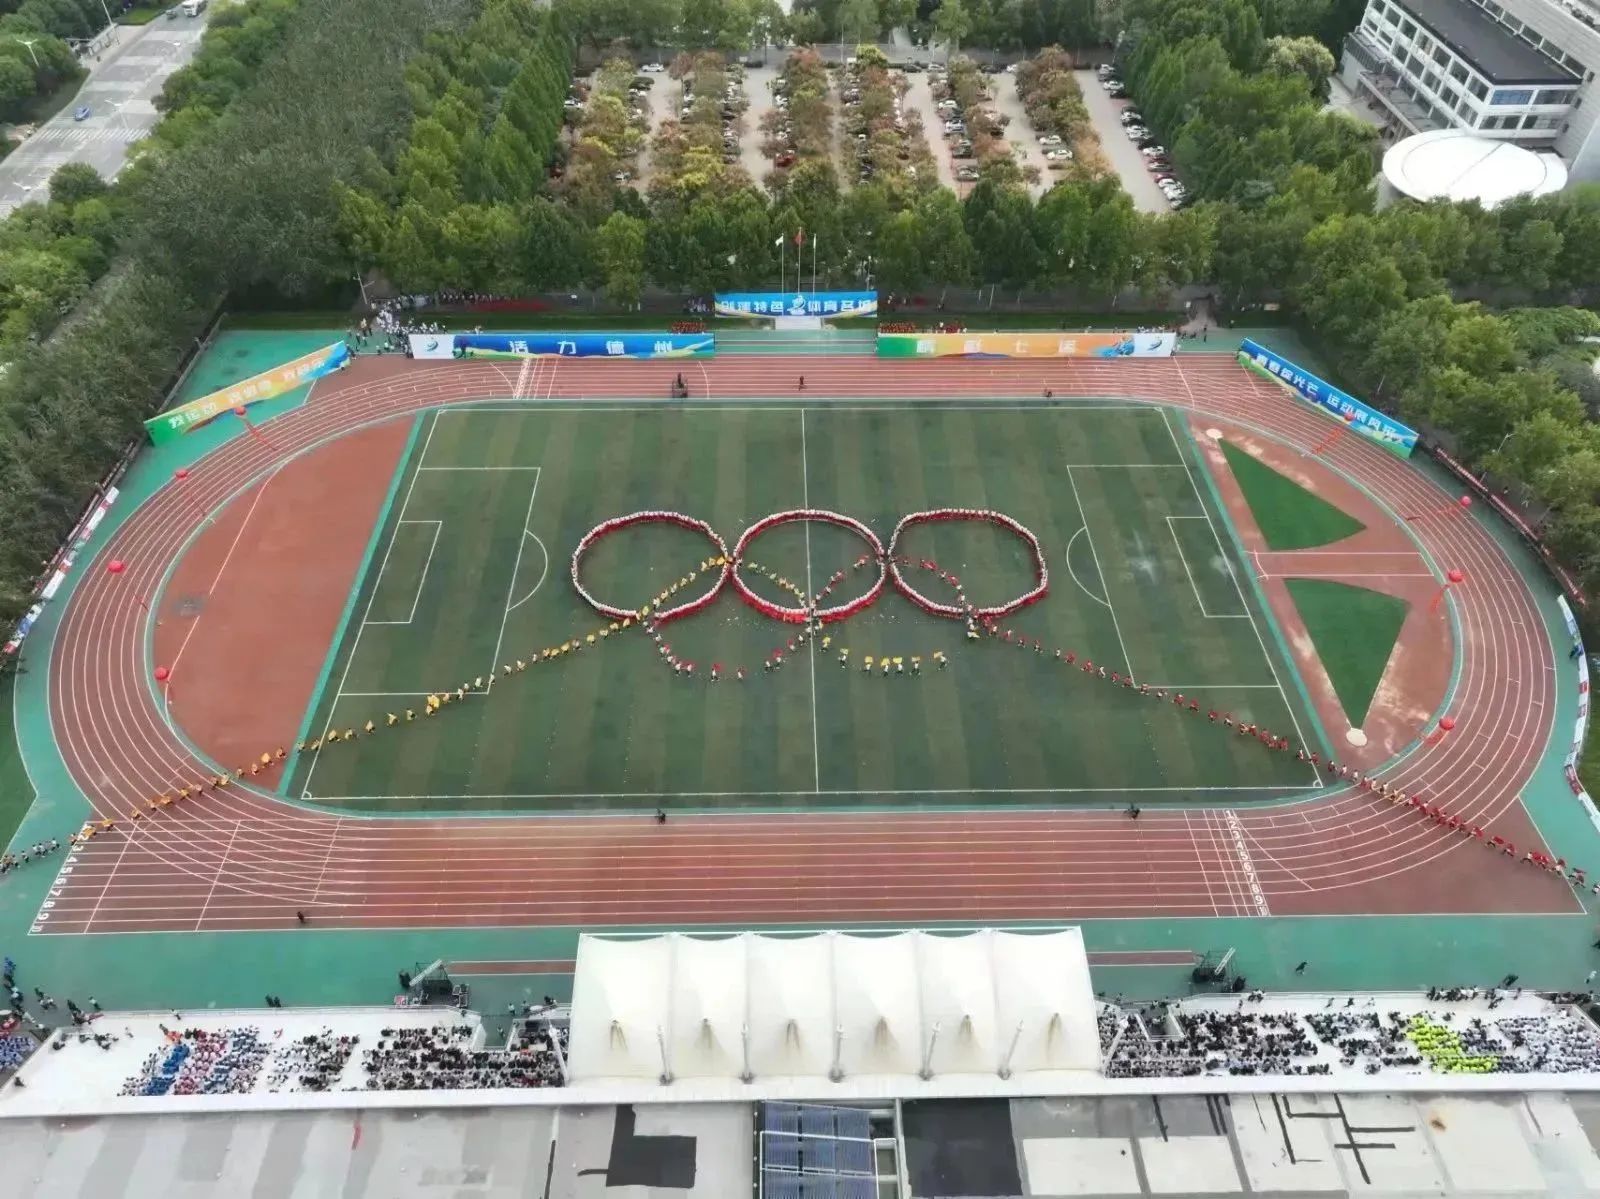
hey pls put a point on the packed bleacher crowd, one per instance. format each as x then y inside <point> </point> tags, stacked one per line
<point>419,1058</point>
<point>431,1059</point>
<point>1459,1032</point>
<point>197,1061</point>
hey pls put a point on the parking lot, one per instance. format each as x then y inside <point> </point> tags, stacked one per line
<point>662,102</point>
<point>758,83</point>
<point>1123,155</point>
<point>919,99</point>
<point>1020,132</point>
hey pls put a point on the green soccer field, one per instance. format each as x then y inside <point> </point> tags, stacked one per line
<point>470,571</point>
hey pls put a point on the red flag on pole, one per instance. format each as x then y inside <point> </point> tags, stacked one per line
<point>800,236</point>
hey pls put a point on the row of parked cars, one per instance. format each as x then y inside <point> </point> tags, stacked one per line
<point>1154,153</point>
<point>956,133</point>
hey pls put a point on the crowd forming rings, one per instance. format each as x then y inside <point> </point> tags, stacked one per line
<point>890,567</point>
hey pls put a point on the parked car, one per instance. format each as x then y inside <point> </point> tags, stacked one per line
<point>81,113</point>
<point>1110,82</point>
<point>1154,151</point>
<point>962,149</point>
<point>652,68</point>
<point>1105,70</point>
<point>1058,155</point>
<point>1049,139</point>
<point>1135,132</point>
<point>967,174</point>
<point>1131,116</point>
<point>1117,93</point>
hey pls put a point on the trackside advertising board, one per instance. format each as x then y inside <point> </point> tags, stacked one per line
<point>1369,422</point>
<point>563,344</point>
<point>1027,345</point>
<point>175,422</point>
<point>797,303</point>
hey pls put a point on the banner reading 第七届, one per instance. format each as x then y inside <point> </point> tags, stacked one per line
<point>797,303</point>
<point>1369,422</point>
<point>560,344</point>
<point>175,422</point>
<point>1027,345</point>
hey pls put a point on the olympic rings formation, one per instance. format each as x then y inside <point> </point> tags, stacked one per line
<point>888,561</point>
<point>657,517</point>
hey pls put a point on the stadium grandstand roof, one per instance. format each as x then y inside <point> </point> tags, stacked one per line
<point>810,1012</point>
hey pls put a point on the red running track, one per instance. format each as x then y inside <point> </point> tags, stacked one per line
<point>246,860</point>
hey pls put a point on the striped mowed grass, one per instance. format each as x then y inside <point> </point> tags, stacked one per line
<point>470,572</point>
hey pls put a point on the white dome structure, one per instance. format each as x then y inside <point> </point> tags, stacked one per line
<point>1457,164</point>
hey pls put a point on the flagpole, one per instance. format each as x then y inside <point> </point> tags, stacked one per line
<point>813,263</point>
<point>781,275</point>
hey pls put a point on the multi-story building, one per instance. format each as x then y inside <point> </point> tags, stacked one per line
<point>1513,70</point>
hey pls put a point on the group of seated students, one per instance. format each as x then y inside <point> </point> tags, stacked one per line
<point>429,1059</point>
<point>1175,1040</point>
<point>236,1061</point>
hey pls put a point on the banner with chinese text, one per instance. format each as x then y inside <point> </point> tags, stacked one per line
<point>561,344</point>
<point>798,303</point>
<point>175,422</point>
<point>1026,345</point>
<point>1369,422</point>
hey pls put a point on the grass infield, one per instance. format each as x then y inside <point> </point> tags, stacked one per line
<point>1354,630</point>
<point>471,572</point>
<point>1289,516</point>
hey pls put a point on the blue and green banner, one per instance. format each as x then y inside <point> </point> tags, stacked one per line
<point>563,344</point>
<point>796,303</point>
<point>1369,422</point>
<point>175,422</point>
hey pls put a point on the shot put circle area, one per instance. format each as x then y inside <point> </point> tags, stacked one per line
<point>1333,853</point>
<point>889,566</point>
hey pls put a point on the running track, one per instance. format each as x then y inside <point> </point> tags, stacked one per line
<point>243,860</point>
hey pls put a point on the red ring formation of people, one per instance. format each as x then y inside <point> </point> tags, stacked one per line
<point>889,564</point>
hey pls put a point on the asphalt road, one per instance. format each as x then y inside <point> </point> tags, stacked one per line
<point>119,92</point>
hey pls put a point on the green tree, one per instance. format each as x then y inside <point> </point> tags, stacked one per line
<point>619,255</point>
<point>952,23</point>
<point>1305,57</point>
<point>76,181</point>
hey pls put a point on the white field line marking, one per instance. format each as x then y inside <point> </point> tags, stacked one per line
<point>1242,852</point>
<point>222,866</point>
<point>1189,574</point>
<point>1254,624</point>
<point>1127,660</point>
<point>422,579</point>
<point>1099,599</point>
<point>494,662</point>
<point>542,573</point>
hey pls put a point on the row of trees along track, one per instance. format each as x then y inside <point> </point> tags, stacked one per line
<point>241,197</point>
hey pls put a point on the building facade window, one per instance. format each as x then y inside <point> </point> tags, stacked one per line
<point>1507,97</point>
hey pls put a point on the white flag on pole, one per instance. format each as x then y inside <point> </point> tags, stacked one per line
<point>778,241</point>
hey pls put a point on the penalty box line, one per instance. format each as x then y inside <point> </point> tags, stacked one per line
<point>355,647</point>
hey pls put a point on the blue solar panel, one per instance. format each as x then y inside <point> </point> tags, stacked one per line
<point>782,1117</point>
<point>817,1187</point>
<point>853,1122</point>
<point>817,1121</point>
<point>855,1157</point>
<point>855,1188</point>
<point>781,1151</point>
<point>780,1186</point>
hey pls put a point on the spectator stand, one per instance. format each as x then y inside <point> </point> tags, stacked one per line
<point>1342,1039</point>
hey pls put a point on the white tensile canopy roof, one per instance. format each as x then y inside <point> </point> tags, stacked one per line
<point>829,1007</point>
